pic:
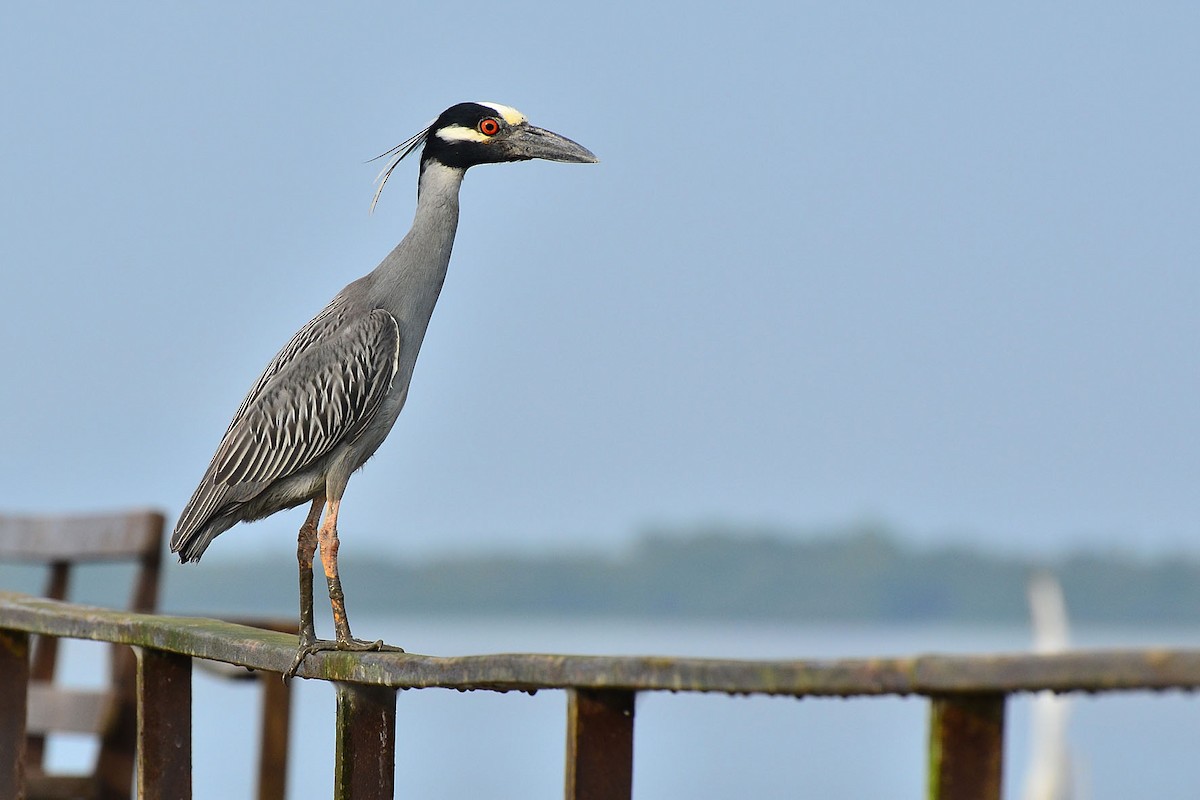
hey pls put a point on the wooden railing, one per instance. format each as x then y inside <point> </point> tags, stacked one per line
<point>967,695</point>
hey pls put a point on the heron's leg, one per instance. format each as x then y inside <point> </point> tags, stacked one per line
<point>328,538</point>
<point>306,547</point>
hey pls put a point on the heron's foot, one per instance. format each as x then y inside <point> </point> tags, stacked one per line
<point>351,645</point>
<point>363,646</point>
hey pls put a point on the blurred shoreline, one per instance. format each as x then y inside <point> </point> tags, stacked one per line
<point>863,575</point>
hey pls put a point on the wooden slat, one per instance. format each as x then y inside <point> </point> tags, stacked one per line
<point>599,745</point>
<point>60,787</point>
<point>164,761</point>
<point>59,710</point>
<point>98,537</point>
<point>14,685</point>
<point>966,746</point>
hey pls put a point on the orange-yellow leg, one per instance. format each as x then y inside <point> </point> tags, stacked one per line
<point>328,539</point>
<point>326,536</point>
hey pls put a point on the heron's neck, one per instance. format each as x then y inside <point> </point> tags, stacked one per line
<point>410,278</point>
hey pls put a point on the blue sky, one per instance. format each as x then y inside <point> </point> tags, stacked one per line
<point>922,263</point>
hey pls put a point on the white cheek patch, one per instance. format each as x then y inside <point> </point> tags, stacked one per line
<point>509,114</point>
<point>460,133</point>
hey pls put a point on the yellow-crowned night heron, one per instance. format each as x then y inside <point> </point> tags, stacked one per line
<point>328,399</point>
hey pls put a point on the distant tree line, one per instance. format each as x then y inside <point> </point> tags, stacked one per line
<point>726,574</point>
<point>864,574</point>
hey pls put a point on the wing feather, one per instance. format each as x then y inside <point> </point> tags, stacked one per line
<point>322,389</point>
<point>308,407</point>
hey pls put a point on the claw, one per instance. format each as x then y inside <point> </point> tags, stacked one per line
<point>360,645</point>
<point>301,652</point>
<point>307,648</point>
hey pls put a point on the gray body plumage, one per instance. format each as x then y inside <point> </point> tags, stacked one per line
<point>329,398</point>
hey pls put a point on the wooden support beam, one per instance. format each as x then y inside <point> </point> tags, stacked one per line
<point>966,746</point>
<point>44,655</point>
<point>14,693</point>
<point>599,744</point>
<point>164,730</point>
<point>365,751</point>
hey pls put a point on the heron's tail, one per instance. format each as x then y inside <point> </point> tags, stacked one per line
<point>190,546</point>
<point>200,522</point>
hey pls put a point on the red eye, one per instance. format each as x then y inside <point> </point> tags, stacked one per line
<point>489,126</point>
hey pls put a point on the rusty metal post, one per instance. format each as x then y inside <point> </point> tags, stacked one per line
<point>14,699</point>
<point>365,752</point>
<point>164,705</point>
<point>273,745</point>
<point>599,744</point>
<point>966,746</point>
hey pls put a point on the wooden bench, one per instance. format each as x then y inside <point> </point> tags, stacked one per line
<point>110,713</point>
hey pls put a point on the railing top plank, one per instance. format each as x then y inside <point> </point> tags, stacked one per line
<point>1089,671</point>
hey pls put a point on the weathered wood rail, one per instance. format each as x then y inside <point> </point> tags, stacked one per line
<point>967,695</point>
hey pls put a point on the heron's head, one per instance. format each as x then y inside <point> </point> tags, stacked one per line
<point>484,133</point>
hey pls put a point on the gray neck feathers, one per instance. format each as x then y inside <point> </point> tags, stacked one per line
<point>408,281</point>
